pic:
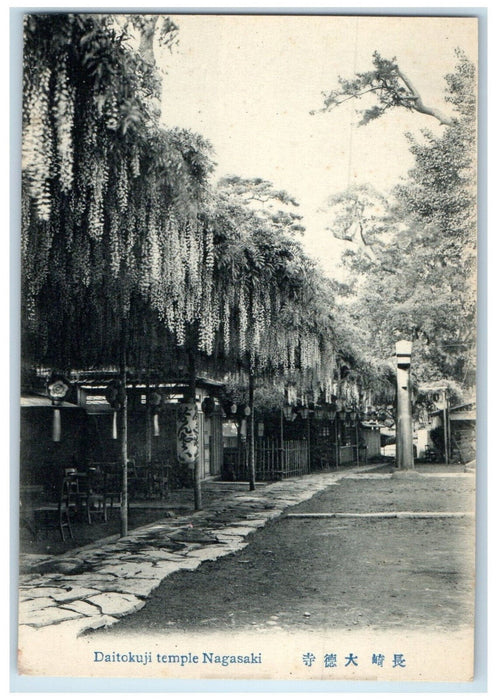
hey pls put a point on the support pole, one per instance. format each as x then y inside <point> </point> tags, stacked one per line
<point>449,434</point>
<point>251,435</point>
<point>337,447</point>
<point>445,415</point>
<point>124,435</point>
<point>357,441</point>
<point>309,443</point>
<point>148,429</point>
<point>405,458</point>
<point>197,488</point>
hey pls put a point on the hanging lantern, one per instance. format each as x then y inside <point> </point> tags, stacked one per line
<point>230,408</point>
<point>56,429</point>
<point>208,406</point>
<point>288,412</point>
<point>319,413</point>
<point>243,411</point>
<point>57,389</point>
<point>332,414</point>
<point>115,394</point>
<point>353,415</point>
<point>304,412</point>
<point>155,402</point>
<point>187,433</point>
<point>342,414</point>
<point>243,430</point>
<point>155,399</point>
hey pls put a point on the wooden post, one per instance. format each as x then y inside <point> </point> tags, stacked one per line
<point>445,416</point>
<point>449,435</point>
<point>337,446</point>
<point>251,435</point>
<point>405,457</point>
<point>309,443</point>
<point>357,441</point>
<point>281,440</point>
<point>124,434</point>
<point>197,487</point>
<point>148,430</point>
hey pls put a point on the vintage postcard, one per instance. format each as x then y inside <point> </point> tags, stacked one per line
<point>248,346</point>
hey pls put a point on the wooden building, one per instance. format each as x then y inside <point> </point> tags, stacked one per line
<point>87,430</point>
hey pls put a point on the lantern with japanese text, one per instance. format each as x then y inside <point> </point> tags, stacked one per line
<point>187,433</point>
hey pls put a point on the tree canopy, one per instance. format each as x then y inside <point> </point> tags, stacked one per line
<point>413,258</point>
<point>388,86</point>
<point>111,202</point>
<point>126,241</point>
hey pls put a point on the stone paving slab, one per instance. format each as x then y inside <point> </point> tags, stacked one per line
<point>116,604</point>
<point>95,585</point>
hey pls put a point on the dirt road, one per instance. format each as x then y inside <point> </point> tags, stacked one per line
<point>347,573</point>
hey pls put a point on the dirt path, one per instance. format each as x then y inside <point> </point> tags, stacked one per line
<point>335,573</point>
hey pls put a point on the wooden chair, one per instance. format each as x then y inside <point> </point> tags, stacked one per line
<point>87,493</point>
<point>158,480</point>
<point>56,514</point>
<point>112,490</point>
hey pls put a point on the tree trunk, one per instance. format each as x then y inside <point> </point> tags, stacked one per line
<point>251,433</point>
<point>146,50</point>
<point>197,488</point>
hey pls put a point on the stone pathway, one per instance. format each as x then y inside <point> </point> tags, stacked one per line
<point>96,585</point>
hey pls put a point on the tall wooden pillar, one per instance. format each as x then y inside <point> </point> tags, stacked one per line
<point>197,483</point>
<point>251,443</point>
<point>405,457</point>
<point>124,445</point>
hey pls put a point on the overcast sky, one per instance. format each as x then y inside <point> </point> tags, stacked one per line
<point>248,84</point>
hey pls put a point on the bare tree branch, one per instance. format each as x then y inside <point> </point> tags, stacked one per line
<point>418,103</point>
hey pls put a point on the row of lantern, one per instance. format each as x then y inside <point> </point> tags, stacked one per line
<point>186,420</point>
<point>323,413</point>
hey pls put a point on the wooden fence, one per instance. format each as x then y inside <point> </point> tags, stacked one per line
<point>271,461</point>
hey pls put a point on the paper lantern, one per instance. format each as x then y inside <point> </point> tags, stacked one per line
<point>56,429</point>
<point>114,425</point>
<point>115,394</point>
<point>57,388</point>
<point>208,406</point>
<point>187,433</point>
<point>288,412</point>
<point>156,425</point>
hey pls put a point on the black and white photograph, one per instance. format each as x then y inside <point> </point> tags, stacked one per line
<point>248,313</point>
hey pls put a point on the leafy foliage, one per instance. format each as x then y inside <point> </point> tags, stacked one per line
<point>420,282</point>
<point>124,240</point>
<point>389,87</point>
<point>111,203</point>
<point>269,289</point>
